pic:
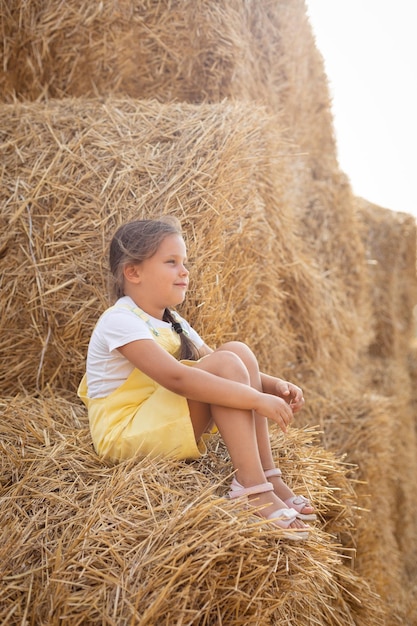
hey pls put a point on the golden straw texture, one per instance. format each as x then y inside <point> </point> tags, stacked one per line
<point>76,169</point>
<point>156,542</point>
<point>216,111</point>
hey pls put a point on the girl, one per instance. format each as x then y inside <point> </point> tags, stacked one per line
<point>152,386</point>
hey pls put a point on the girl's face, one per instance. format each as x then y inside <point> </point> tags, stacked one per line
<point>163,278</point>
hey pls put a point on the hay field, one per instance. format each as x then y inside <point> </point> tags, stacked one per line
<point>218,113</point>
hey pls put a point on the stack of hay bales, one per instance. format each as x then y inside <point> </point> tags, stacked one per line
<point>84,167</point>
<point>217,112</point>
<point>203,51</point>
<point>390,243</point>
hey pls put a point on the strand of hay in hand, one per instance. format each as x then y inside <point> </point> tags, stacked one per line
<point>153,541</point>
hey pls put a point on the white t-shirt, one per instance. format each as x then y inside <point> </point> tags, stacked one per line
<point>107,368</point>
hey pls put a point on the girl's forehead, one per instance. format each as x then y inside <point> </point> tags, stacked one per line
<point>173,244</point>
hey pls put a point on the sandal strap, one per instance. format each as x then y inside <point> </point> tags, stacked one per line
<point>298,501</point>
<point>272,472</point>
<point>286,516</point>
<point>238,491</point>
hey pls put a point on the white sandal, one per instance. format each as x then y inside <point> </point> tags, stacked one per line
<point>295,502</point>
<point>281,517</point>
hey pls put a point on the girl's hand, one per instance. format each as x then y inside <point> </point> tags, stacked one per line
<point>275,409</point>
<point>289,392</point>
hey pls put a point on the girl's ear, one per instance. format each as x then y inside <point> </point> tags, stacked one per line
<point>131,272</point>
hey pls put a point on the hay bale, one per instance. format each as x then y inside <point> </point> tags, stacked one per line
<point>85,167</point>
<point>156,542</point>
<point>217,169</point>
<point>76,169</point>
<point>201,51</point>
<point>376,434</point>
<point>390,243</point>
<point>188,51</point>
<point>262,52</point>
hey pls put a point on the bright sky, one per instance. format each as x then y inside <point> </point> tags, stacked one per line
<point>370,53</point>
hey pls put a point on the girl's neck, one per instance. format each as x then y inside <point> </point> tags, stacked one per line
<point>156,313</point>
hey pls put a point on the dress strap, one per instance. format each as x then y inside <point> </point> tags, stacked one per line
<point>146,318</point>
<point>143,316</point>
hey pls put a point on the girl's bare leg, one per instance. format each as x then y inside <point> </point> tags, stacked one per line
<point>261,423</point>
<point>237,428</point>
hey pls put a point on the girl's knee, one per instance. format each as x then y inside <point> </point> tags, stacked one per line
<point>240,349</point>
<point>228,364</point>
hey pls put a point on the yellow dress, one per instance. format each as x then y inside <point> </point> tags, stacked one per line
<point>141,417</point>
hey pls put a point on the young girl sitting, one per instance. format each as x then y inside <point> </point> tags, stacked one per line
<point>153,387</point>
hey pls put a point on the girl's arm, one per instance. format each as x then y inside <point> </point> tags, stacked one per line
<point>196,384</point>
<point>289,392</point>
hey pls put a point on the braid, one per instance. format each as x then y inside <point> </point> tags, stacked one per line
<point>188,349</point>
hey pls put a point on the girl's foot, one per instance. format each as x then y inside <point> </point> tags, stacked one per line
<point>299,503</point>
<point>268,503</point>
<point>268,506</point>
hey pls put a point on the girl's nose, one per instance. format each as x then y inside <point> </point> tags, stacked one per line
<point>184,271</point>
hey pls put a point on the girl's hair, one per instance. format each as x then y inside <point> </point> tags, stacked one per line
<point>133,243</point>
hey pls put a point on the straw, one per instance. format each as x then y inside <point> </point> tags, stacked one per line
<point>156,541</point>
<point>217,112</point>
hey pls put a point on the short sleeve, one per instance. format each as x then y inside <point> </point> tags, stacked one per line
<point>119,326</point>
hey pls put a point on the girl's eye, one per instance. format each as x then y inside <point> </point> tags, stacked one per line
<point>174,262</point>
